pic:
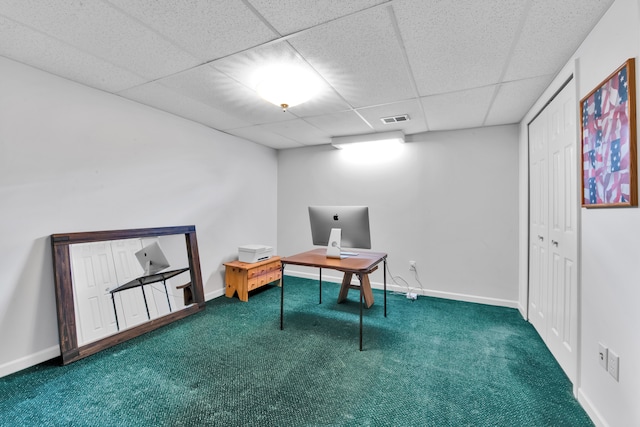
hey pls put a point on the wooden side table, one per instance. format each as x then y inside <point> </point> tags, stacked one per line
<point>243,277</point>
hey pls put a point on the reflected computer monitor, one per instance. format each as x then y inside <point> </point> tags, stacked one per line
<point>352,221</point>
<point>152,259</point>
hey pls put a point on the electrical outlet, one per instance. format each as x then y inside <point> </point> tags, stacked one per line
<point>613,365</point>
<point>602,355</point>
<point>412,266</point>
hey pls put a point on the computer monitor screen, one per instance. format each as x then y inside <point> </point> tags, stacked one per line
<point>352,220</point>
<point>152,259</point>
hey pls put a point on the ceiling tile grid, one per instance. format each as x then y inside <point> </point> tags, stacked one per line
<point>448,65</point>
<point>539,51</point>
<point>207,29</point>
<point>458,45</point>
<point>289,16</point>
<point>365,54</point>
<point>341,123</point>
<point>92,26</point>
<point>158,96</point>
<point>514,99</point>
<point>458,110</point>
<point>260,135</point>
<point>31,47</point>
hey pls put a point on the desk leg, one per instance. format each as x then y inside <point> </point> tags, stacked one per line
<point>144,296</point>
<point>384,274</point>
<point>115,312</point>
<point>365,285</point>
<point>361,318</point>
<point>164,282</point>
<point>282,298</point>
<point>320,299</point>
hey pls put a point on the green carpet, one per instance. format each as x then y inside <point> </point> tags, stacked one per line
<point>431,362</point>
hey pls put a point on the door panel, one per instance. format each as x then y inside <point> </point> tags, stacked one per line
<point>93,276</point>
<point>553,292</point>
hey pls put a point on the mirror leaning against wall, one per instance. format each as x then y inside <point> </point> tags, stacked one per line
<point>112,286</point>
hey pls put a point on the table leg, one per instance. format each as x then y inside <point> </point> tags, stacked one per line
<point>164,282</point>
<point>115,312</point>
<point>365,285</point>
<point>361,318</point>
<point>282,298</point>
<point>384,274</point>
<point>344,288</point>
<point>320,299</point>
<point>144,296</point>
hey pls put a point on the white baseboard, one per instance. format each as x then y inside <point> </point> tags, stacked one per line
<point>215,294</point>
<point>425,292</point>
<point>29,361</point>
<point>591,410</point>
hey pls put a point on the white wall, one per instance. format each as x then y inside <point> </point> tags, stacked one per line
<point>77,159</point>
<point>449,202</point>
<point>610,248</point>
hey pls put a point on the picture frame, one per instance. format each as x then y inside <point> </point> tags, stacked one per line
<point>608,141</point>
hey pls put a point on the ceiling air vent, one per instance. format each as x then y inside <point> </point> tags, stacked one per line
<point>395,119</point>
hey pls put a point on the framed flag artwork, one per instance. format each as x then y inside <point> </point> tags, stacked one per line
<point>608,136</point>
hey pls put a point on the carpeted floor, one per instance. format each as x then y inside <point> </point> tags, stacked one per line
<point>431,362</point>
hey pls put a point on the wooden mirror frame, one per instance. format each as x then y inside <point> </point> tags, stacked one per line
<point>67,328</point>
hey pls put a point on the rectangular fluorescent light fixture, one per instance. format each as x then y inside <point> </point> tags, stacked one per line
<point>380,138</point>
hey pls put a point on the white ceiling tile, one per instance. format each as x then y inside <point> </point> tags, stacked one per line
<point>360,56</point>
<point>207,29</point>
<point>412,108</point>
<point>163,98</point>
<point>341,123</point>
<point>458,110</point>
<point>31,47</point>
<point>456,45</point>
<point>288,16</point>
<point>300,131</point>
<point>262,136</point>
<point>514,99</point>
<point>548,21</point>
<point>96,28</point>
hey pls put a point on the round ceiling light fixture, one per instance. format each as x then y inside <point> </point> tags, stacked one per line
<point>286,85</point>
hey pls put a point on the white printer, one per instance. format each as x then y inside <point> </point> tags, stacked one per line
<point>254,253</point>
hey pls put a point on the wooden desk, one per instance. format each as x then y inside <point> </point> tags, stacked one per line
<point>361,265</point>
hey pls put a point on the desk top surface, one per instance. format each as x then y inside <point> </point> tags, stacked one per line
<point>364,262</point>
<point>147,280</point>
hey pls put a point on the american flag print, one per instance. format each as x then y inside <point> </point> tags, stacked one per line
<point>606,143</point>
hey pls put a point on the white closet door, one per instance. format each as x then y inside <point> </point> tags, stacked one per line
<point>553,262</point>
<point>538,224</point>
<point>563,231</point>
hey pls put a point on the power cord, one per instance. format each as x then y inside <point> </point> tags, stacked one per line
<point>408,293</point>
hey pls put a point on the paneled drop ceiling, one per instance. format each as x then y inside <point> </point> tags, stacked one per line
<point>447,64</point>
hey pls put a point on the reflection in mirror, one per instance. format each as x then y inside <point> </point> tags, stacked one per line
<point>119,284</point>
<point>112,286</point>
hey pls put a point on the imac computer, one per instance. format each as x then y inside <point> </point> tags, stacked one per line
<point>152,259</point>
<point>339,227</point>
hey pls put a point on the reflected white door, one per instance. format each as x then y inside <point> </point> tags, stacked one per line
<point>130,303</point>
<point>93,276</point>
<point>553,278</point>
